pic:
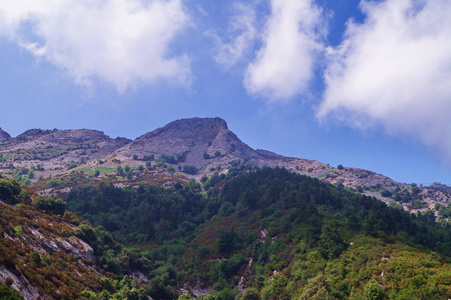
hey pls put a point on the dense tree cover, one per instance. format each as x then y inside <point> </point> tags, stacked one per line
<point>277,234</point>
<point>319,241</point>
<point>139,215</point>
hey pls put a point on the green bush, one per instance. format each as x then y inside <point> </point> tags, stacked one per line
<point>189,169</point>
<point>71,165</point>
<point>7,293</point>
<point>386,193</point>
<point>53,205</point>
<point>9,190</point>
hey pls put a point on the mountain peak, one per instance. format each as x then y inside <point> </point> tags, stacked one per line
<point>193,128</point>
<point>4,136</point>
<point>195,138</point>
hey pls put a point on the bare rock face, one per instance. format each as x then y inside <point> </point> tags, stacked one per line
<point>4,136</point>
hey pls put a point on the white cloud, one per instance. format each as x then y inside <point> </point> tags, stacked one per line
<point>122,42</point>
<point>395,70</point>
<point>242,34</point>
<point>291,42</point>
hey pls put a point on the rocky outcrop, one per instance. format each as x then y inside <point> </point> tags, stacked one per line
<point>440,187</point>
<point>19,283</point>
<point>31,134</point>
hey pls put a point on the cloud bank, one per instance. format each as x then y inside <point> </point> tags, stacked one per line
<point>292,40</point>
<point>122,42</point>
<point>394,70</point>
<point>241,36</point>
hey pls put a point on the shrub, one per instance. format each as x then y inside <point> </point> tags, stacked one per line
<point>171,169</point>
<point>386,193</point>
<point>372,291</point>
<point>18,230</point>
<point>9,190</point>
<point>9,293</point>
<point>340,167</point>
<point>148,157</point>
<point>52,205</point>
<point>119,170</point>
<point>189,169</point>
<point>71,165</point>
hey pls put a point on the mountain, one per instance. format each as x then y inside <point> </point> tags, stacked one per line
<point>58,160</point>
<point>4,136</point>
<point>51,151</point>
<point>191,138</point>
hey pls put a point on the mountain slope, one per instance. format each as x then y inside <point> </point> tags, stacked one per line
<point>183,149</point>
<point>51,151</point>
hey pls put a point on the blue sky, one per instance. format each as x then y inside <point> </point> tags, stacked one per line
<point>361,83</point>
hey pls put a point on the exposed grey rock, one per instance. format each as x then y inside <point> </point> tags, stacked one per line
<point>20,283</point>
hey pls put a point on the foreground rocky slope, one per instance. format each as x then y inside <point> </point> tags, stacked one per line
<point>183,149</point>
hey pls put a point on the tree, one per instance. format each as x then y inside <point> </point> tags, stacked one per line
<point>340,167</point>
<point>250,294</point>
<point>157,289</point>
<point>185,296</point>
<point>372,291</point>
<point>97,173</point>
<point>316,289</point>
<point>386,193</point>
<point>9,190</point>
<point>119,169</point>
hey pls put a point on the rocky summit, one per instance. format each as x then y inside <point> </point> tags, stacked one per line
<point>196,139</point>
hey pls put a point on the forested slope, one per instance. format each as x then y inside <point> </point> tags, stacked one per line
<point>273,234</point>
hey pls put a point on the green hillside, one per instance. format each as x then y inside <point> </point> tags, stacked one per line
<point>272,234</point>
